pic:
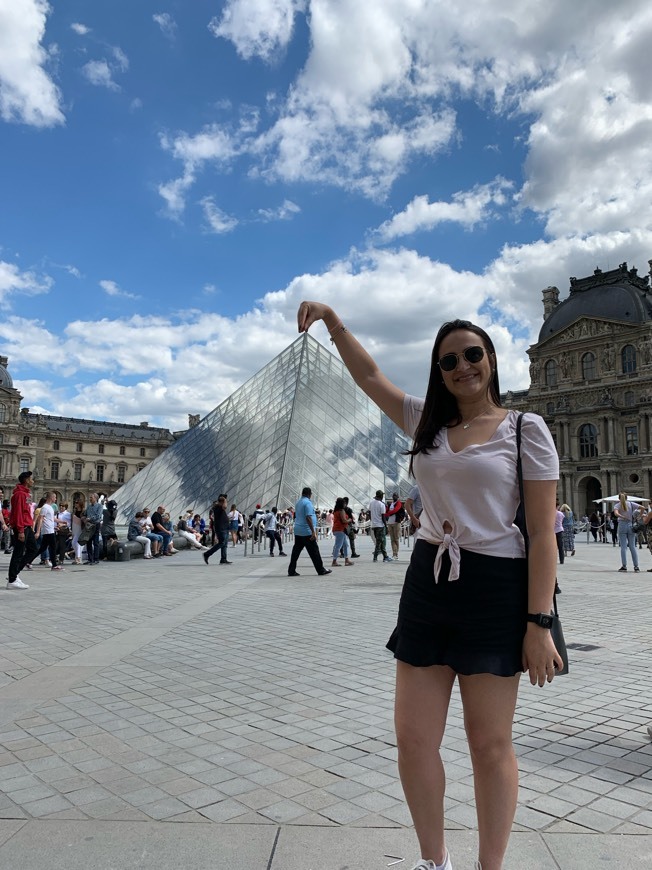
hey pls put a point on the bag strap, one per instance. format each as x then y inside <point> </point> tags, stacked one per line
<point>519,472</point>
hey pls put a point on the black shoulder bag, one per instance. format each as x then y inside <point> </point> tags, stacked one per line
<point>519,520</point>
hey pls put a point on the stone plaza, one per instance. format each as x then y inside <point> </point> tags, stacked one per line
<point>171,715</point>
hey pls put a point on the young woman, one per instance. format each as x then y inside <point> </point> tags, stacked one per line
<point>624,510</point>
<point>472,607</point>
<point>341,532</point>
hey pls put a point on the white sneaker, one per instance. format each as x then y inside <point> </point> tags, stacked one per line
<point>430,865</point>
<point>17,584</point>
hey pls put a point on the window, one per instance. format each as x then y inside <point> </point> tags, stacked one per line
<point>100,448</point>
<point>24,465</point>
<point>628,355</point>
<point>3,413</point>
<point>55,445</point>
<point>588,367</point>
<point>100,473</point>
<point>631,440</point>
<point>630,399</point>
<point>77,471</point>
<point>122,450</point>
<point>121,473</point>
<point>550,408</point>
<point>588,441</point>
<point>551,373</point>
<point>25,440</point>
<point>54,470</point>
<point>142,451</point>
<point>78,447</point>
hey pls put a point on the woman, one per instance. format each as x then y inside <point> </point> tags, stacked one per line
<point>594,523</point>
<point>647,520</point>
<point>341,532</point>
<point>624,510</point>
<point>78,510</point>
<point>482,621</point>
<point>135,533</point>
<point>234,522</point>
<point>63,531</point>
<point>109,535</point>
<point>568,529</point>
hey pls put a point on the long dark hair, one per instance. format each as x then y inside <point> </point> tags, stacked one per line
<point>339,504</point>
<point>440,408</point>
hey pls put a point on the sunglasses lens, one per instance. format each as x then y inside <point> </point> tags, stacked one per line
<point>474,354</point>
<point>448,362</point>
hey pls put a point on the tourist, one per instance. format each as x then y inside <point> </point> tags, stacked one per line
<point>6,525</point>
<point>109,535</point>
<point>147,530</point>
<point>377,510</point>
<point>413,508</point>
<point>135,533</point>
<point>159,528</point>
<point>305,535</point>
<point>191,537</point>
<point>25,547</point>
<point>559,532</point>
<point>235,520</point>
<point>340,531</point>
<point>568,530</point>
<point>624,510</point>
<point>394,516</point>
<point>46,525</point>
<point>93,514</point>
<point>221,526</point>
<point>272,532</point>
<point>351,530</point>
<point>464,607</point>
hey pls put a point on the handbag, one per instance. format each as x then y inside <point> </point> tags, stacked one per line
<point>556,631</point>
<point>87,532</point>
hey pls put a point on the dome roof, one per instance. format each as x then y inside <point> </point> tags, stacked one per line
<point>6,381</point>
<point>616,295</point>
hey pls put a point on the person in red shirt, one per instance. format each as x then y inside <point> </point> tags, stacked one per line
<point>25,546</point>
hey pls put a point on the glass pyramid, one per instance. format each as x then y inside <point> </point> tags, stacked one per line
<point>300,421</point>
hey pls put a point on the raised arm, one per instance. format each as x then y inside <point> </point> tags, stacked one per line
<point>362,367</point>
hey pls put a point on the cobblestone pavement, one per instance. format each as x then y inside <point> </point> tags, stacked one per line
<point>170,691</point>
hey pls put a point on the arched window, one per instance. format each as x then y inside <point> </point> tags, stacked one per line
<point>588,441</point>
<point>25,440</point>
<point>630,399</point>
<point>628,355</point>
<point>551,373</point>
<point>588,367</point>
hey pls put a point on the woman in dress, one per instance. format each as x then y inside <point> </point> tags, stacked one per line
<point>473,608</point>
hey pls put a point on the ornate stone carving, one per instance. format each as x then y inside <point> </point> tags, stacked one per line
<point>534,372</point>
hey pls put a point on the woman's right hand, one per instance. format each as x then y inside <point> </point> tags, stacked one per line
<point>311,312</point>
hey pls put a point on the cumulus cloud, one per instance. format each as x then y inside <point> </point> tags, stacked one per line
<point>284,212</point>
<point>100,72</point>
<point>27,92</point>
<point>13,281</point>
<point>467,209</point>
<point>167,24</point>
<point>80,29</point>
<point>258,28</point>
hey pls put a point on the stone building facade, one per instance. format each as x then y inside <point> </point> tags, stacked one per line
<point>591,380</point>
<point>68,454</point>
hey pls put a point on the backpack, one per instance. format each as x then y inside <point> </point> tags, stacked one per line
<point>400,514</point>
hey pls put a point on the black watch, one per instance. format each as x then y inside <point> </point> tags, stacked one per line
<point>544,620</point>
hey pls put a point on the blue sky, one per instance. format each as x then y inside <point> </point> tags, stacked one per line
<point>177,176</point>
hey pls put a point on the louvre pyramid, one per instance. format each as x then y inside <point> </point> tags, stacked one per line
<point>300,421</point>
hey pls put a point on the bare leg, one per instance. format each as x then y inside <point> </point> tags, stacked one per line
<point>489,703</point>
<point>422,698</point>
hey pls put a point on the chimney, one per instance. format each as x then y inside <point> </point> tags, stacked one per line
<point>550,300</point>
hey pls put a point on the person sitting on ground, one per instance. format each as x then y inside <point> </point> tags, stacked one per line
<point>135,533</point>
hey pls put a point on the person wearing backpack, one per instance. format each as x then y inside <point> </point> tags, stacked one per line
<point>395,516</point>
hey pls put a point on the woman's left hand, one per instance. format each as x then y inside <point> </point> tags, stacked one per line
<point>540,657</point>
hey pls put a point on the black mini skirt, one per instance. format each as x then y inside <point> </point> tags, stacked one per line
<point>474,625</point>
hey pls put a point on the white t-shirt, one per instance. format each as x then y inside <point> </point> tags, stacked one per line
<point>377,509</point>
<point>476,489</point>
<point>47,519</point>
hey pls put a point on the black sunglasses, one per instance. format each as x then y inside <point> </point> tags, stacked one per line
<point>448,362</point>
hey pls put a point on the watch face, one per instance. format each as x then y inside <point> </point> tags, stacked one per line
<point>545,621</point>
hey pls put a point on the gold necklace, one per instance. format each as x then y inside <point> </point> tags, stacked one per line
<point>468,422</point>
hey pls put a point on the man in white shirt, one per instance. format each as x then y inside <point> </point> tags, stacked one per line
<point>377,509</point>
<point>46,525</point>
<point>272,532</point>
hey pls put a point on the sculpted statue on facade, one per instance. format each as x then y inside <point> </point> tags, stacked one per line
<point>534,372</point>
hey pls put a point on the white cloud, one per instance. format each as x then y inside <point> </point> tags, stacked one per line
<point>467,208</point>
<point>99,73</point>
<point>257,28</point>
<point>283,213</point>
<point>27,92</point>
<point>13,281</point>
<point>80,29</point>
<point>167,24</point>
<point>112,289</point>
<point>217,221</point>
